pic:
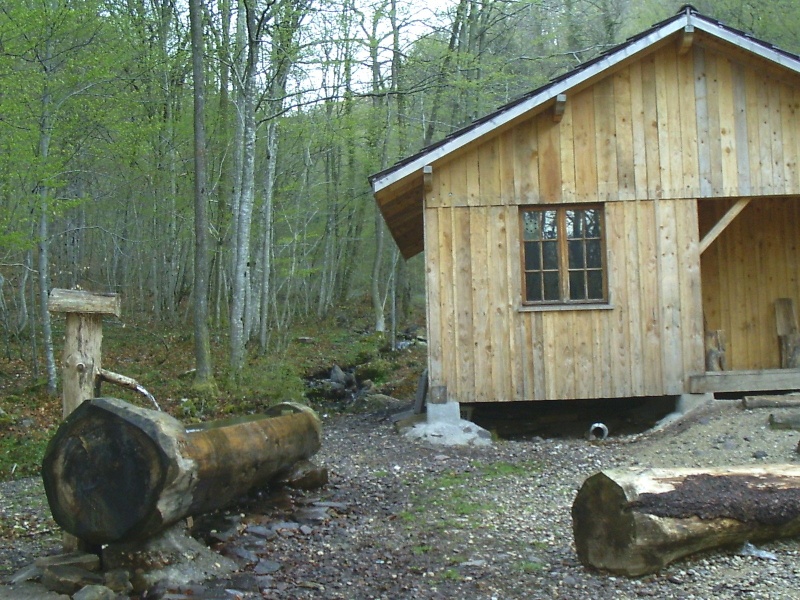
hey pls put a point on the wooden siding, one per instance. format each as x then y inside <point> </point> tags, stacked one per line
<point>698,125</point>
<point>485,349</point>
<point>750,265</point>
<point>651,140</point>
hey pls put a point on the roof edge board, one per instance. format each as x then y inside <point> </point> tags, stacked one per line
<point>504,116</point>
<point>746,42</point>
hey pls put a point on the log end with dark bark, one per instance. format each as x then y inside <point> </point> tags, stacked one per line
<point>115,472</point>
<point>105,468</point>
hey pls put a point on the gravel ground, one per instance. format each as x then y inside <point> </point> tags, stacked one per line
<point>406,520</point>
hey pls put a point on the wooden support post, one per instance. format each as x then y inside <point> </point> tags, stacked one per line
<point>83,339</point>
<point>788,336</point>
<point>715,350</point>
<point>81,361</point>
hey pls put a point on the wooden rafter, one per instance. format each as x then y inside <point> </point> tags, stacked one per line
<point>685,41</point>
<point>720,225</point>
<point>558,107</point>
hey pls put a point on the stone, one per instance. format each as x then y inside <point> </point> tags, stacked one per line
<point>95,592</point>
<point>311,515</point>
<point>84,560</point>
<point>29,573</point>
<point>118,580</point>
<point>243,556</point>
<point>338,376</point>
<point>265,567</point>
<point>68,579</point>
<point>172,556</point>
<point>262,532</point>
<point>304,475</point>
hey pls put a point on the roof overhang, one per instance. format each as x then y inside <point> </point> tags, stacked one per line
<point>399,190</point>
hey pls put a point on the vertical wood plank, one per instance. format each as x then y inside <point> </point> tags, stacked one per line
<point>442,180</point>
<point>623,130</point>
<point>727,128</point>
<point>433,285</point>
<point>765,136</point>
<point>585,362</point>
<point>502,338</point>
<point>638,125</point>
<point>789,117</point>
<point>691,301</point>
<point>526,163</point>
<point>472,175</point>
<point>458,183</point>
<point>669,294</point>
<point>631,310</point>
<point>751,86</point>
<point>517,343</point>
<point>606,141</point>
<point>703,134</point>
<point>488,174</point>
<point>464,347</point>
<point>651,125</point>
<point>740,131</point>
<point>541,384</point>
<point>618,321</point>
<point>674,124</point>
<point>481,326</point>
<point>583,125</point>
<point>689,136</point>
<point>650,302</point>
<point>549,162</point>
<point>664,125</point>
<point>507,174</point>
<point>567,147</point>
<point>446,262</point>
<point>779,185</point>
<point>714,135</point>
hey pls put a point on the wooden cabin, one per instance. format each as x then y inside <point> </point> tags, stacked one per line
<point>587,239</point>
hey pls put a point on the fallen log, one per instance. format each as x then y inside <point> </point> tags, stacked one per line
<point>636,521</point>
<point>115,472</point>
<point>788,421</point>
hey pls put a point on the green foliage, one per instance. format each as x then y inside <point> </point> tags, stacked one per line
<point>21,455</point>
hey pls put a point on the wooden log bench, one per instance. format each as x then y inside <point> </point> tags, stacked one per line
<point>636,521</point>
<point>114,472</point>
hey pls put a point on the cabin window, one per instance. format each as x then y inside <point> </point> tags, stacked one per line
<point>563,255</point>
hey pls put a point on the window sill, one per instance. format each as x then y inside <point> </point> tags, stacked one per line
<point>564,307</point>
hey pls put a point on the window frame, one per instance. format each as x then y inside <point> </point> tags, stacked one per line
<point>562,240</point>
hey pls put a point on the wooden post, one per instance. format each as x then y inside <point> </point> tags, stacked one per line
<point>715,350</point>
<point>788,336</point>
<point>83,338</point>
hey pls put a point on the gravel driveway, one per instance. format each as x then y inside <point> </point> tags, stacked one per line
<point>404,520</point>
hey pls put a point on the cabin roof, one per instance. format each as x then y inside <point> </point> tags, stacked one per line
<point>398,189</point>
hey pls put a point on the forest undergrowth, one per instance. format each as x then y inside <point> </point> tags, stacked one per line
<point>160,357</point>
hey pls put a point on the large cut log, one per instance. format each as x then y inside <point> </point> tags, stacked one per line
<point>115,472</point>
<point>636,521</point>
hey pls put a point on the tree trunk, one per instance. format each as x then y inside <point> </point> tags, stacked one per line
<point>114,472</point>
<point>45,133</point>
<point>245,209</point>
<point>204,372</point>
<point>636,521</point>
